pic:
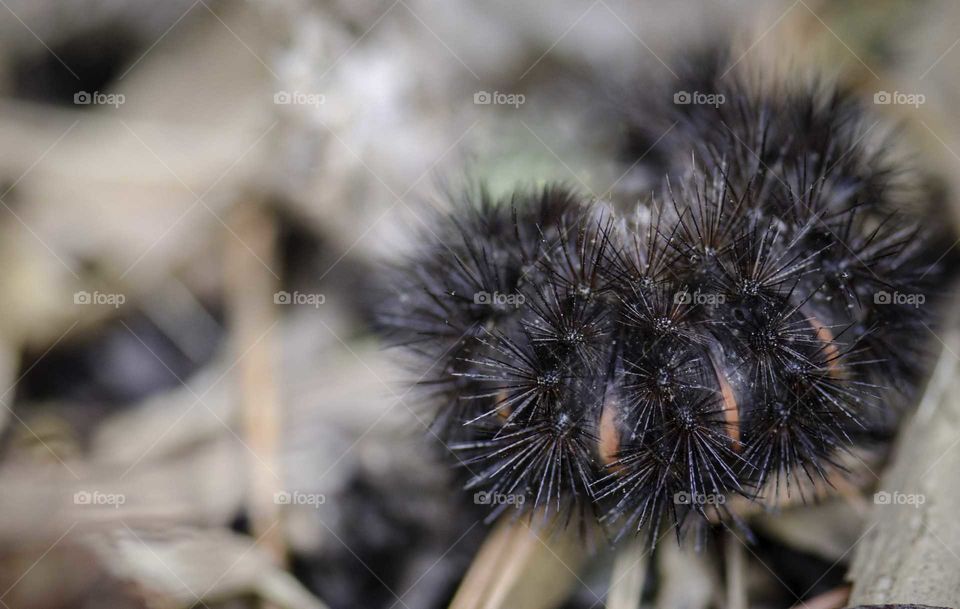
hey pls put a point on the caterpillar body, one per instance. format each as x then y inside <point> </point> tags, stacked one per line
<point>732,334</point>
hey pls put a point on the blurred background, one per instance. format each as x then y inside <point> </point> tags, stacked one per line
<point>195,199</point>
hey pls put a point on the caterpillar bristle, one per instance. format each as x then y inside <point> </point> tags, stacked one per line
<point>568,324</point>
<point>656,375</point>
<point>547,460</point>
<point>686,458</point>
<point>735,333</point>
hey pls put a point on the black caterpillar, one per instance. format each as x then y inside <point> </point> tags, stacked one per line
<point>755,318</point>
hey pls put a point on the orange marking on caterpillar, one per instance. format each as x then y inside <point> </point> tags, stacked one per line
<point>609,441</point>
<point>731,412</point>
<point>825,335</point>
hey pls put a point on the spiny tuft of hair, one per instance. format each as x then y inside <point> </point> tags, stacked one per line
<point>737,331</point>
